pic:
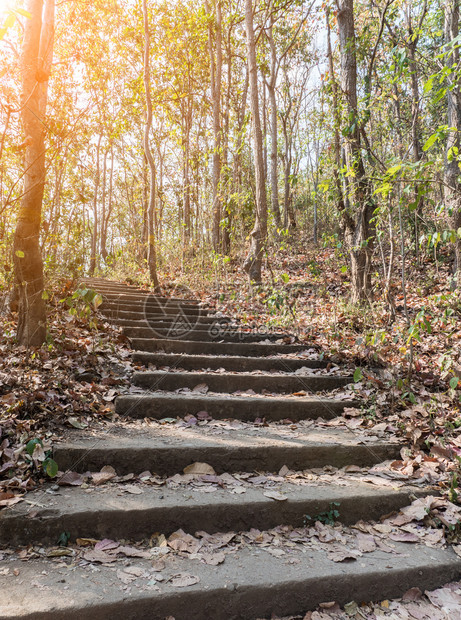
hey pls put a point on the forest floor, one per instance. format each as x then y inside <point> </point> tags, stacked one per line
<point>406,368</point>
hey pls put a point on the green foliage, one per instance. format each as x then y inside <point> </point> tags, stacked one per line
<point>83,303</point>
<point>328,517</point>
<point>41,458</point>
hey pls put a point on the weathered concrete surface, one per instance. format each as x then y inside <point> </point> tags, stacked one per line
<point>160,405</point>
<point>169,450</point>
<point>228,382</point>
<point>109,512</point>
<point>212,333</point>
<point>112,308</point>
<point>249,584</point>
<point>111,289</point>
<point>231,363</point>
<point>202,322</point>
<point>189,347</point>
<point>141,297</point>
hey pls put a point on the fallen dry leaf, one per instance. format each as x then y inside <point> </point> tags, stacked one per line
<point>275,495</point>
<point>71,478</point>
<point>183,580</point>
<point>199,469</point>
<point>9,499</point>
<point>213,559</point>
<point>365,542</point>
<point>106,545</point>
<point>106,474</point>
<point>98,556</point>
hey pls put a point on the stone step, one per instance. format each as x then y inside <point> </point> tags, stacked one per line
<point>178,317</point>
<point>247,408</point>
<point>249,584</point>
<point>203,322</point>
<point>133,293</point>
<point>108,512</point>
<point>190,347</point>
<point>151,308</point>
<point>116,315</point>
<point>113,287</point>
<point>229,362</point>
<point>148,301</point>
<point>228,382</point>
<point>232,363</point>
<point>213,333</point>
<point>142,297</point>
<point>168,450</point>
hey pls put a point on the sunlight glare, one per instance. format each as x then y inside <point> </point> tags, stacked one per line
<point>5,5</point>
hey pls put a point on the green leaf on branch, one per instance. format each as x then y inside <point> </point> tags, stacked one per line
<point>430,141</point>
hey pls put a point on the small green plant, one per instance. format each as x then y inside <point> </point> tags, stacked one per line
<point>41,457</point>
<point>83,303</point>
<point>328,517</point>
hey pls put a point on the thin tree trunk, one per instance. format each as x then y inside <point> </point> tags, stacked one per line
<point>226,229</point>
<point>413,39</point>
<point>145,208</point>
<point>357,222</point>
<point>102,240</point>
<point>151,249</point>
<point>94,235</point>
<point>274,133</point>
<point>216,75</point>
<point>187,181</point>
<point>107,211</point>
<point>253,262</point>
<point>452,187</point>
<point>337,119</point>
<point>36,60</point>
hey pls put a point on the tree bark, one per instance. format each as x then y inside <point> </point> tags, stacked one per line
<point>417,151</point>
<point>151,249</point>
<point>274,133</point>
<point>336,117</point>
<point>216,78</point>
<point>36,60</point>
<point>187,112</point>
<point>253,261</point>
<point>452,187</point>
<point>94,235</point>
<point>108,204</point>
<point>357,219</point>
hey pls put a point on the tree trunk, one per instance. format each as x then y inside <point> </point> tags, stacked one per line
<point>452,187</point>
<point>274,133</point>
<point>216,73</point>
<point>102,240</point>
<point>417,151</point>
<point>227,212</point>
<point>357,221</point>
<point>36,60</point>
<point>108,200</point>
<point>187,181</point>
<point>151,249</point>
<point>94,234</point>
<point>336,117</point>
<point>253,262</point>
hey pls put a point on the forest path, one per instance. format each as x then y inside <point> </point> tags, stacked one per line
<point>262,500</point>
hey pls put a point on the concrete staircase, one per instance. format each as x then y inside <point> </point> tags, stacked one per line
<point>202,366</point>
